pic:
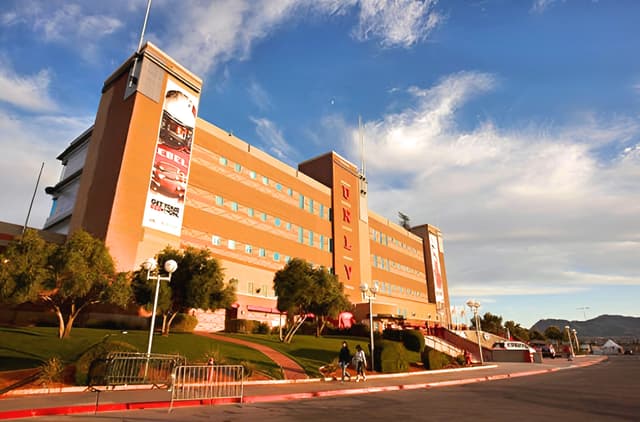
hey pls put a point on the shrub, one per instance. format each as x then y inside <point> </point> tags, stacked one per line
<point>249,368</point>
<point>413,340</point>
<point>433,359</point>
<point>392,334</point>
<point>391,357</point>
<point>242,326</point>
<point>261,328</point>
<point>184,323</point>
<point>52,371</point>
<point>91,366</point>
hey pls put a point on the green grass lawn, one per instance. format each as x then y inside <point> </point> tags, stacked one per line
<point>29,347</point>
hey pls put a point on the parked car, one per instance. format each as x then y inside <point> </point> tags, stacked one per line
<point>515,345</point>
<point>547,350</point>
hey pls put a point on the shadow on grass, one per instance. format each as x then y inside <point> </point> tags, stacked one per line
<point>25,331</point>
<point>14,363</point>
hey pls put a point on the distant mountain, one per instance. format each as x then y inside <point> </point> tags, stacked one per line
<point>602,326</point>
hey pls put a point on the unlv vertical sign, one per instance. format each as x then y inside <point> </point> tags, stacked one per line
<point>437,271</point>
<point>164,208</point>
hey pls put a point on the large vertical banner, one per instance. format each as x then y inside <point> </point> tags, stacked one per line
<point>437,272</point>
<point>164,208</point>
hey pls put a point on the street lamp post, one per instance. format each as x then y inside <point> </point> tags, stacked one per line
<point>369,293</point>
<point>474,305</point>
<point>575,337</point>
<point>151,265</point>
<point>571,354</point>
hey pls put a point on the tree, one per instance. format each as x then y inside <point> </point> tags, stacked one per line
<point>197,283</point>
<point>302,290</point>
<point>490,323</point>
<point>67,277</point>
<point>517,331</point>
<point>553,333</point>
<point>537,335</point>
<point>404,220</point>
<point>82,274</point>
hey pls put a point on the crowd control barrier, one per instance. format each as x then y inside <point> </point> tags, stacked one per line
<point>207,382</point>
<point>126,368</point>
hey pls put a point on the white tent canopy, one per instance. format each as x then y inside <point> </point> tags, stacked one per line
<point>612,348</point>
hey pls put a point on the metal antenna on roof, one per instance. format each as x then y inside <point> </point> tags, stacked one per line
<point>132,78</point>
<point>363,169</point>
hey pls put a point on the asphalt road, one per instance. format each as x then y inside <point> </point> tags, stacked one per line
<point>609,391</point>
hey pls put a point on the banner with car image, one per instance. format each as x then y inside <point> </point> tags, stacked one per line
<point>164,207</point>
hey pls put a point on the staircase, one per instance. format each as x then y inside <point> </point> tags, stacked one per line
<point>442,346</point>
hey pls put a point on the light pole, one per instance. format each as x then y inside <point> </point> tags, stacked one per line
<point>474,305</point>
<point>571,354</point>
<point>575,337</point>
<point>369,293</point>
<point>151,265</point>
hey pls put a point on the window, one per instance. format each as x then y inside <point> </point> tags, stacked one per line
<point>250,212</point>
<point>222,161</point>
<point>248,249</point>
<point>288,226</point>
<point>252,174</point>
<point>219,200</point>
<point>234,206</point>
<point>300,235</point>
<point>321,241</point>
<point>277,222</point>
<point>330,245</point>
<point>264,290</point>
<point>250,287</point>
<point>215,240</point>
<point>310,238</point>
<point>262,252</point>
<point>289,191</point>
<point>301,202</point>
<point>278,187</point>
<point>321,211</point>
<point>238,167</point>
<point>231,244</point>
<point>311,205</point>
<point>263,217</point>
<point>276,256</point>
<point>265,180</point>
<point>287,259</point>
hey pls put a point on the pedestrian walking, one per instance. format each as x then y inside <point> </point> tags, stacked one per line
<point>344,358</point>
<point>360,361</point>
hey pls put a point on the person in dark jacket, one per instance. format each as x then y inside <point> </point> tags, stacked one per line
<point>344,358</point>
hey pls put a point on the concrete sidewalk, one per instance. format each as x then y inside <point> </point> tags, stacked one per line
<point>66,403</point>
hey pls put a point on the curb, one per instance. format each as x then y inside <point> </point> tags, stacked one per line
<point>110,407</point>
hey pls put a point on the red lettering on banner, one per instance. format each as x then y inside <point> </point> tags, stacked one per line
<point>346,215</point>
<point>347,269</point>
<point>347,244</point>
<point>345,192</point>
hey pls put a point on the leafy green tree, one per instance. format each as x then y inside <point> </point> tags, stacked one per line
<point>537,335</point>
<point>197,283</point>
<point>23,268</point>
<point>553,333</point>
<point>82,273</point>
<point>517,331</point>
<point>302,290</point>
<point>67,277</point>
<point>490,323</point>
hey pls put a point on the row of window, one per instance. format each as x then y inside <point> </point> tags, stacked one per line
<point>394,290</point>
<point>387,264</point>
<point>385,239</point>
<point>262,290</point>
<point>308,204</point>
<point>312,239</point>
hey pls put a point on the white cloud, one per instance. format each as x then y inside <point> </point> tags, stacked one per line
<point>259,96</point>
<point>397,23</point>
<point>540,6</point>
<point>41,139</point>
<point>27,92</point>
<point>273,139</point>
<point>520,212</point>
<point>220,31</point>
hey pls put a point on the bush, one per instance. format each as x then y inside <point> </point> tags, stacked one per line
<point>184,323</point>
<point>433,359</point>
<point>241,326</point>
<point>91,366</point>
<point>392,334</point>
<point>261,328</point>
<point>391,357</point>
<point>413,340</point>
<point>249,368</point>
<point>52,371</point>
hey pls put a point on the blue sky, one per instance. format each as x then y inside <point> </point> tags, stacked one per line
<point>514,126</point>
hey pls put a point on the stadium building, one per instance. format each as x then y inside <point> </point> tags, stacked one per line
<point>150,173</point>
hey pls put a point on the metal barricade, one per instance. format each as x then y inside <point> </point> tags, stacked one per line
<point>207,382</point>
<point>126,368</point>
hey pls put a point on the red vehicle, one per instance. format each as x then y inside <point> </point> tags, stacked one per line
<point>168,179</point>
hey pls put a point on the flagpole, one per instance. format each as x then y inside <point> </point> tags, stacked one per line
<point>35,190</point>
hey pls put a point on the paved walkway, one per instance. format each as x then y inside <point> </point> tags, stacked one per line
<point>273,391</point>
<point>291,370</point>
